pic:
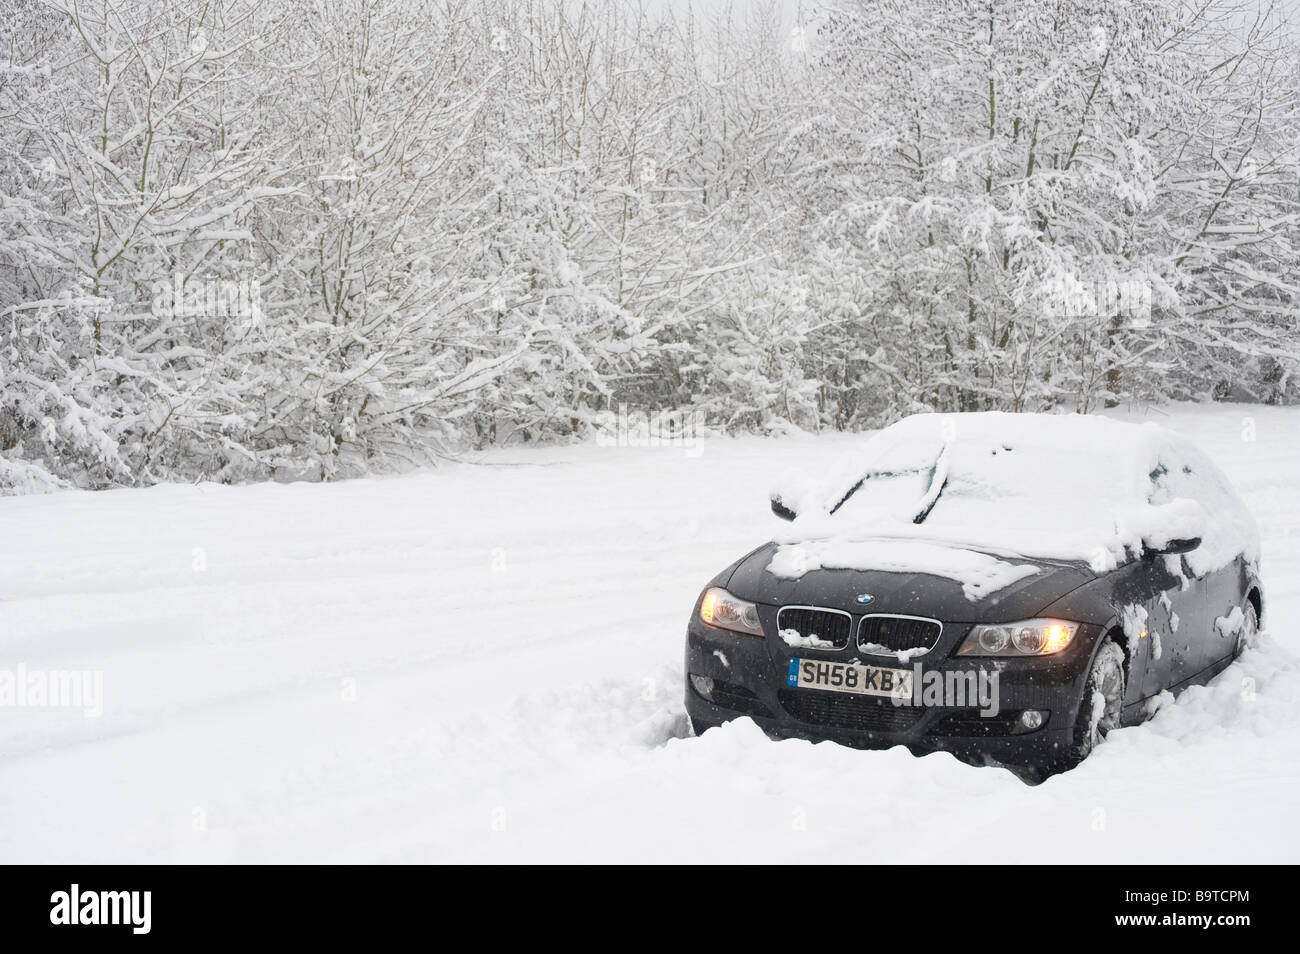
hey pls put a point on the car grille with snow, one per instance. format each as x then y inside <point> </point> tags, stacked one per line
<point>813,628</point>
<point>897,634</point>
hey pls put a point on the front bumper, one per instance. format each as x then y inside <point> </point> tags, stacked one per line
<point>749,676</point>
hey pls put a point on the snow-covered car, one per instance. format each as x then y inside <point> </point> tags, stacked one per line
<point>1006,587</point>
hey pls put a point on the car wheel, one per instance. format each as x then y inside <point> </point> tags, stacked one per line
<point>1248,633</point>
<point>1103,701</point>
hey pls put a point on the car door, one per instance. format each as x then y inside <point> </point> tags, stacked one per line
<point>1186,639</point>
<point>1160,608</point>
<point>1204,637</point>
<point>1223,595</point>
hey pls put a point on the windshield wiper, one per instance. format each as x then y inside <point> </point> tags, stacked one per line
<point>938,481</point>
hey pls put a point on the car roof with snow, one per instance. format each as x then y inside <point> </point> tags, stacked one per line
<point>1052,486</point>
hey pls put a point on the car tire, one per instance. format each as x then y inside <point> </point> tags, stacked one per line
<point>1248,634</point>
<point>1103,701</point>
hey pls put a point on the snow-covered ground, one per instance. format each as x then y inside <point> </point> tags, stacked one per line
<point>484,664</point>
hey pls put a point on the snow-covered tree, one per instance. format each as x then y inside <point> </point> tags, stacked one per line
<point>243,239</point>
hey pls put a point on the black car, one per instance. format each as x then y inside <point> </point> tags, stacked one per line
<point>1008,588</point>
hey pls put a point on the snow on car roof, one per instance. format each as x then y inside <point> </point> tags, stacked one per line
<point>1051,486</point>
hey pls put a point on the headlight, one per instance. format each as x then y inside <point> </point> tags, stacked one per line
<point>719,608</point>
<point>1032,637</point>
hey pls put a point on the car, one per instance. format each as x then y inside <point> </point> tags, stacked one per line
<point>1006,587</point>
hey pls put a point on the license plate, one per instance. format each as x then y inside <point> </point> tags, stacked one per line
<point>850,677</point>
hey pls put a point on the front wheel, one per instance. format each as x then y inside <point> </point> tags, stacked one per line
<point>1102,704</point>
<point>1099,712</point>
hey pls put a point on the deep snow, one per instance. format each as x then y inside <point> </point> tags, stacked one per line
<point>483,663</point>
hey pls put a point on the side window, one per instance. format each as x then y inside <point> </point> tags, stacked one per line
<point>1178,476</point>
<point>1227,527</point>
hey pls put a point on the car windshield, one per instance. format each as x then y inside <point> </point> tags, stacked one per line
<point>1054,486</point>
<point>970,483</point>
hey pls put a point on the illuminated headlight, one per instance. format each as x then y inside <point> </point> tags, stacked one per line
<point>1032,637</point>
<point>719,608</point>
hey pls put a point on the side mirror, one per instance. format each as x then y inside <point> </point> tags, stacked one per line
<point>781,510</point>
<point>1183,545</point>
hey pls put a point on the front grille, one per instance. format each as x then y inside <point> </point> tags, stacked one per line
<point>826,625</point>
<point>842,711</point>
<point>898,633</point>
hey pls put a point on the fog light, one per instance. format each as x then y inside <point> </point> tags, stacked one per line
<point>1031,718</point>
<point>703,685</point>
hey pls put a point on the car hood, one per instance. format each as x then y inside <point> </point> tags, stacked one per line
<point>906,592</point>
